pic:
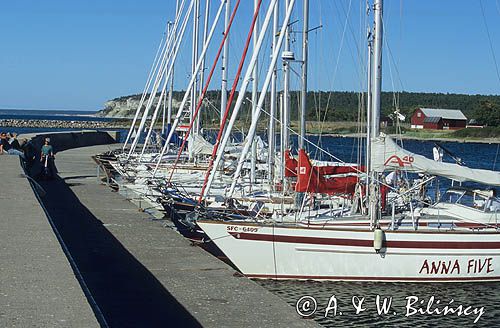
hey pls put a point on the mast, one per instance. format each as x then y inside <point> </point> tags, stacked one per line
<point>194,71</point>
<point>303,94</point>
<point>171,88</point>
<point>152,71</point>
<point>368,111</point>
<point>167,111</point>
<point>272,110</point>
<point>188,93</point>
<point>285,119</point>
<point>170,53</point>
<point>202,69</point>
<point>253,127</point>
<point>377,68</point>
<point>209,177</point>
<point>255,86</point>
<point>305,41</point>
<point>375,109</point>
<point>225,54</point>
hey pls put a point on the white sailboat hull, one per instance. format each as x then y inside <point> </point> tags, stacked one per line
<point>269,252</point>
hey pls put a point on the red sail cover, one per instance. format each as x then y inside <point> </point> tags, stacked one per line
<point>312,178</point>
<point>290,165</point>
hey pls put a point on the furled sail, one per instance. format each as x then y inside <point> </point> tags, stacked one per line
<point>388,156</point>
<point>201,146</point>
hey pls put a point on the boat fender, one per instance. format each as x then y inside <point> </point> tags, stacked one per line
<point>378,239</point>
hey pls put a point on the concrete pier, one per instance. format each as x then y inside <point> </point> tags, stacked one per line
<point>38,287</point>
<point>135,271</point>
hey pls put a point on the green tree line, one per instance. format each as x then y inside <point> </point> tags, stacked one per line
<point>345,106</point>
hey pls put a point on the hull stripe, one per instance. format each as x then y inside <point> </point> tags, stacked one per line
<point>362,278</point>
<point>366,242</point>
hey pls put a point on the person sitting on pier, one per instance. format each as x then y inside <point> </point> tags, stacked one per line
<point>47,159</point>
<point>14,142</point>
<point>6,146</point>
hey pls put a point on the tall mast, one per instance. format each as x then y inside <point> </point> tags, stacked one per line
<point>253,127</point>
<point>377,67</point>
<point>167,110</point>
<point>241,95</point>
<point>303,94</point>
<point>171,87</point>
<point>225,54</point>
<point>305,34</point>
<point>272,109</point>
<point>202,69</point>
<point>285,119</point>
<point>374,199</point>
<point>194,71</point>
<point>255,86</point>
<point>368,115</point>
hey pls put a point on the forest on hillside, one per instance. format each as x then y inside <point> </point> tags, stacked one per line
<point>345,106</point>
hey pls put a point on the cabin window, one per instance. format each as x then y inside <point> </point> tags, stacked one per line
<point>493,205</point>
<point>419,114</point>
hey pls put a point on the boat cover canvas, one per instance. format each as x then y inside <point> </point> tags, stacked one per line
<point>201,146</point>
<point>388,156</point>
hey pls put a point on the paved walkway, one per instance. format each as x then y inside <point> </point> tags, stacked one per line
<point>38,287</point>
<point>142,274</point>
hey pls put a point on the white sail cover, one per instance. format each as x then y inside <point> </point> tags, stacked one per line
<point>388,156</point>
<point>201,146</point>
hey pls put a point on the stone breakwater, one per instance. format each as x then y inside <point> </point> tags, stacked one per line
<point>61,124</point>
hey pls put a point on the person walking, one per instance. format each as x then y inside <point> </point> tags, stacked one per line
<point>47,159</point>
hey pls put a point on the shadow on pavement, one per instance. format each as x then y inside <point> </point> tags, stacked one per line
<point>126,293</point>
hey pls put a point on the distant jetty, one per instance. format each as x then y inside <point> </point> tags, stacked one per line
<point>62,124</point>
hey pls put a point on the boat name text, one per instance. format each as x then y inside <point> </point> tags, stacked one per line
<point>242,229</point>
<point>471,266</point>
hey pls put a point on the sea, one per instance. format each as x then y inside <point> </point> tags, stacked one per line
<point>54,115</point>
<point>360,304</point>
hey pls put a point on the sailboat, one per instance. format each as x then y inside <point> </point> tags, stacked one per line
<point>438,243</point>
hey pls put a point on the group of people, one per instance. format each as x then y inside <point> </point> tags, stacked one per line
<point>10,145</point>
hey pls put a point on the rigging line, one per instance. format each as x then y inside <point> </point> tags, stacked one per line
<point>207,84</point>
<point>230,99</point>
<point>358,48</point>
<point>322,126</point>
<point>327,152</point>
<point>489,40</point>
<point>312,143</point>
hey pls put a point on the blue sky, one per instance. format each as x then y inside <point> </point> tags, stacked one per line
<point>60,54</point>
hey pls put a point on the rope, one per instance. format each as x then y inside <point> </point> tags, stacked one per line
<point>489,40</point>
<point>230,100</point>
<point>207,83</point>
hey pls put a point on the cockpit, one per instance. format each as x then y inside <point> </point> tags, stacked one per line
<point>483,200</point>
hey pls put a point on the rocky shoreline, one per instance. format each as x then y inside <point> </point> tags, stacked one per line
<point>62,124</point>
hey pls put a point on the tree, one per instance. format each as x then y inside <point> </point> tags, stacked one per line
<point>488,113</point>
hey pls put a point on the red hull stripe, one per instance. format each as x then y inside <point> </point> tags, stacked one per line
<point>366,243</point>
<point>272,276</point>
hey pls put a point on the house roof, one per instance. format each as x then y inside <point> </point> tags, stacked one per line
<point>432,119</point>
<point>450,114</point>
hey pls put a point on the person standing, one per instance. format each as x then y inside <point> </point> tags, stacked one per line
<point>47,158</point>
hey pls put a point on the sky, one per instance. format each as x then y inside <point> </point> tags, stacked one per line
<point>60,54</point>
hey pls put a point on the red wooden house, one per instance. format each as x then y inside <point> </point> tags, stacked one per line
<point>438,119</point>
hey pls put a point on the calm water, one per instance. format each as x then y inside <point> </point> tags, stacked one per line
<point>61,115</point>
<point>53,115</point>
<point>476,295</point>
